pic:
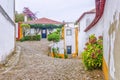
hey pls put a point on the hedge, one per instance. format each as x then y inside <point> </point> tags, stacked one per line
<point>31,38</point>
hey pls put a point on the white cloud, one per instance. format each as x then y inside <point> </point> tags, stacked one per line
<point>68,10</point>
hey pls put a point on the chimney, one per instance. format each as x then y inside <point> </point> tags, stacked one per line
<point>25,18</point>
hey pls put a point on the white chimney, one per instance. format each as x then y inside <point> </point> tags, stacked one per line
<point>25,18</point>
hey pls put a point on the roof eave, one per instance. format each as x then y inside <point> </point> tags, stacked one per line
<point>98,15</point>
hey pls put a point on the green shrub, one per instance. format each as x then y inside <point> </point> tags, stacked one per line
<point>55,53</point>
<point>31,38</point>
<point>93,53</point>
<point>54,37</point>
<point>65,56</point>
<point>21,40</point>
<point>26,38</point>
<point>38,37</point>
<point>60,56</point>
<point>50,38</point>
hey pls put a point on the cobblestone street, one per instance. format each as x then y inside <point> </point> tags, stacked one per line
<point>35,64</point>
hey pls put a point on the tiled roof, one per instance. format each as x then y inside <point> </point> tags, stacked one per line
<point>43,21</point>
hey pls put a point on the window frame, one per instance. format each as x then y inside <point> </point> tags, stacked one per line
<point>68,32</point>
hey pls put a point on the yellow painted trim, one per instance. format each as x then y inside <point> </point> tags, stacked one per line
<point>61,55</point>
<point>105,70</point>
<point>76,40</point>
<point>64,40</point>
<point>21,33</point>
<point>62,32</point>
<point>51,54</point>
<point>74,55</point>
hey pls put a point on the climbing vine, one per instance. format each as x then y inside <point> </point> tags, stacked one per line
<point>47,26</point>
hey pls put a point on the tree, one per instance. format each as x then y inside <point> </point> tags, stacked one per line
<point>19,17</point>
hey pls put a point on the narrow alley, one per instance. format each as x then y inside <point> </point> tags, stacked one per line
<point>35,64</point>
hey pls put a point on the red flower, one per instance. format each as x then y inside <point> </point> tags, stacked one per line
<point>99,51</point>
<point>93,56</point>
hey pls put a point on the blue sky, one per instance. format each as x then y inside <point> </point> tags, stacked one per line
<point>67,10</point>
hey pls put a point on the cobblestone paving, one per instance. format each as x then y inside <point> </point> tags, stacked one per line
<point>35,64</point>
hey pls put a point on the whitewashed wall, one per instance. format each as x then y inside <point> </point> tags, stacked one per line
<point>7,29</point>
<point>32,31</point>
<point>70,40</point>
<point>9,7</point>
<point>109,27</point>
<point>97,29</point>
<point>112,37</point>
<point>82,36</point>
<point>59,45</point>
<point>16,30</point>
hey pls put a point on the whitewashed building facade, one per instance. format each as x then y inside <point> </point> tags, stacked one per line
<point>67,45</point>
<point>7,29</point>
<point>83,22</point>
<point>70,38</point>
<point>107,24</point>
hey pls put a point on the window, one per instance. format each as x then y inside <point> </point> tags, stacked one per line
<point>68,32</point>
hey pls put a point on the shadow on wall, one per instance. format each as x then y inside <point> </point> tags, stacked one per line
<point>114,48</point>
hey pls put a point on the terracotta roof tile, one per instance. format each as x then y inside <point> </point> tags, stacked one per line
<point>44,21</point>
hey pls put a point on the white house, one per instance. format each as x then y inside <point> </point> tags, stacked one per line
<point>42,26</point>
<point>68,43</point>
<point>45,30</point>
<point>7,29</point>
<point>107,24</point>
<point>83,22</point>
<point>70,39</point>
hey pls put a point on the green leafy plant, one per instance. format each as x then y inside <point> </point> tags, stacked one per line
<point>47,26</point>
<point>55,36</point>
<point>55,52</point>
<point>93,53</point>
<point>65,54</point>
<point>19,17</point>
<point>31,38</point>
<point>25,29</point>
